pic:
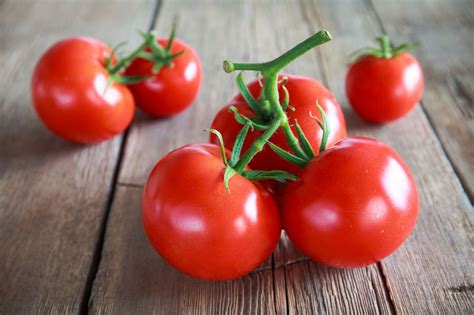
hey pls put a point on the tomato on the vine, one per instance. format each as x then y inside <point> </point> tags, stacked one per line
<point>201,228</point>
<point>354,204</point>
<point>382,86</point>
<point>303,92</point>
<point>72,93</point>
<point>171,89</point>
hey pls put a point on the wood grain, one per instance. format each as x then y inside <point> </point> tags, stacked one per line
<point>133,278</point>
<point>310,287</point>
<point>126,250</point>
<point>354,288</point>
<point>438,257</point>
<point>53,194</point>
<point>151,138</point>
<point>445,30</point>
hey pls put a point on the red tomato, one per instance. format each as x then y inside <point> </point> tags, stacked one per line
<point>381,90</point>
<point>201,228</point>
<point>172,89</point>
<point>303,94</point>
<point>354,205</point>
<point>71,96</point>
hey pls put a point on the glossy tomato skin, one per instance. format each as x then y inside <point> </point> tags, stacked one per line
<point>355,204</point>
<point>172,89</point>
<point>70,93</point>
<point>303,94</point>
<point>201,228</point>
<point>382,90</point>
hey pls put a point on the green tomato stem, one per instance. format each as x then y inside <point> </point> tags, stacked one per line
<point>256,147</point>
<point>124,62</point>
<point>276,65</point>
<point>386,49</point>
<point>269,94</point>
<point>270,91</point>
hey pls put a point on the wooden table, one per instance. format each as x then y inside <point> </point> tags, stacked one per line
<point>71,239</point>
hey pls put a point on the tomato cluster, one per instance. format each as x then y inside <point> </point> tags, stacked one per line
<point>279,156</point>
<point>83,94</point>
<point>349,204</point>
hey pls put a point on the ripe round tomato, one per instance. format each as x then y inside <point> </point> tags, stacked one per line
<point>354,204</point>
<point>384,89</point>
<point>173,88</point>
<point>201,228</point>
<point>71,96</point>
<point>303,94</point>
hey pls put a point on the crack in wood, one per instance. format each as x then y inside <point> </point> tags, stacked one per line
<point>462,288</point>
<point>87,300</point>
<point>130,185</point>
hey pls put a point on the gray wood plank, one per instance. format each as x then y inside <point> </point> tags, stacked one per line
<point>255,35</point>
<point>134,279</point>
<point>207,28</point>
<point>53,194</point>
<point>445,29</point>
<point>433,271</point>
<point>310,287</point>
<point>316,289</point>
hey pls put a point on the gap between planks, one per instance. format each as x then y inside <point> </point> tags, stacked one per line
<point>84,306</point>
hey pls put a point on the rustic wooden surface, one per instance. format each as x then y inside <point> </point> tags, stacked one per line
<point>71,239</point>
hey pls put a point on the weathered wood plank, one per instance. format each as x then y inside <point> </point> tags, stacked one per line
<point>317,289</point>
<point>255,35</point>
<point>424,275</point>
<point>53,194</point>
<point>149,139</point>
<point>133,278</point>
<point>446,30</point>
<point>310,287</point>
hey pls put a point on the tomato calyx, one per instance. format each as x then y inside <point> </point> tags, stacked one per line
<point>270,115</point>
<point>305,145</point>
<point>385,50</point>
<point>150,50</point>
<point>115,69</point>
<point>232,164</point>
<point>160,56</point>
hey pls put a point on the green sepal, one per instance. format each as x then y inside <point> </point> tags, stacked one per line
<point>405,47</point>
<point>366,51</point>
<point>324,125</point>
<point>287,156</point>
<point>150,39</point>
<point>160,61</point>
<point>238,144</point>
<point>113,52</point>
<point>280,176</point>
<point>241,119</point>
<point>304,141</point>
<point>160,56</point>
<point>244,91</point>
<point>179,53</point>
<point>228,173</point>
<point>221,142</point>
<point>171,38</point>
<point>384,51</point>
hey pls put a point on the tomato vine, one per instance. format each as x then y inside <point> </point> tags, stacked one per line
<point>271,116</point>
